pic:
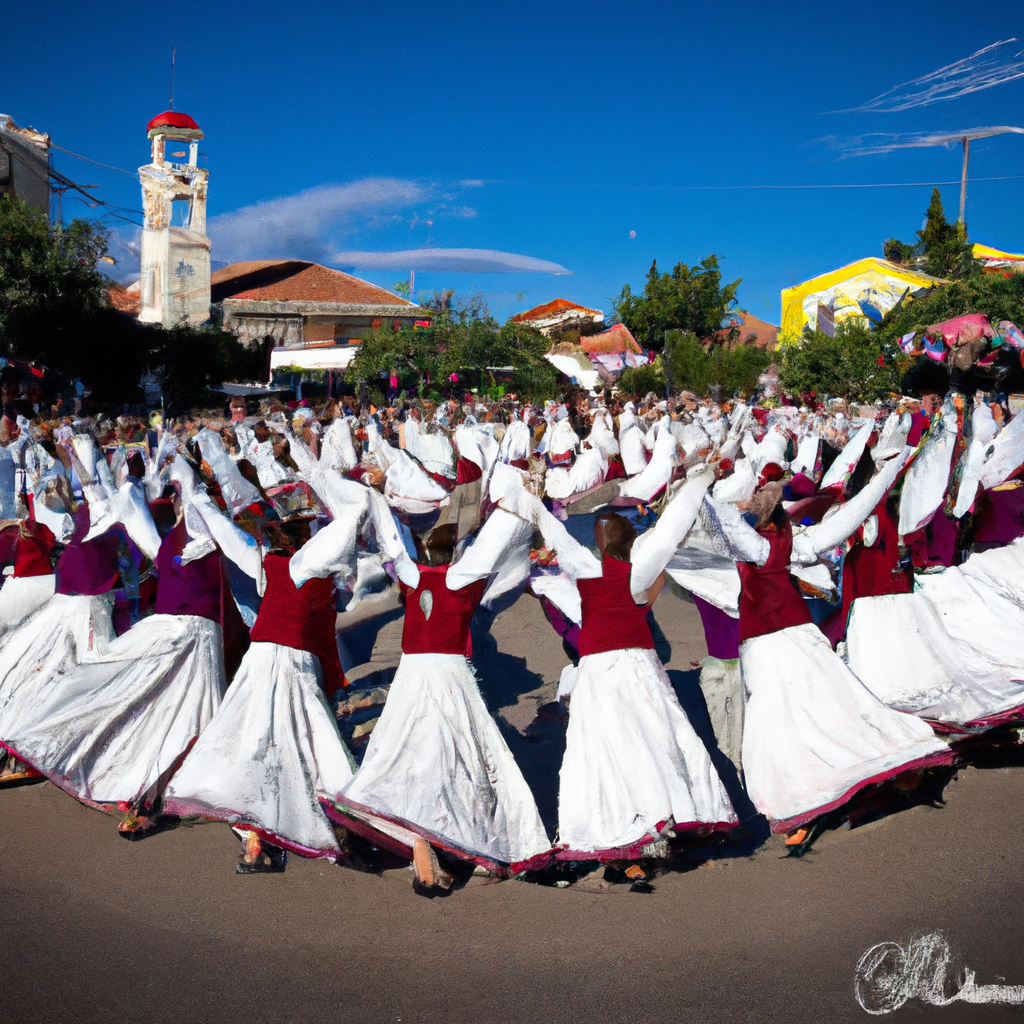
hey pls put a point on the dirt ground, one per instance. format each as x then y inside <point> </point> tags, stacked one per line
<point>94,928</point>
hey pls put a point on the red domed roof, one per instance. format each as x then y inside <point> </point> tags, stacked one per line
<point>173,119</point>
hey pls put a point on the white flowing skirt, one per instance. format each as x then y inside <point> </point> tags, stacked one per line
<point>999,569</point>
<point>22,596</point>
<point>115,729</point>
<point>270,752</point>
<point>633,764</point>
<point>949,652</point>
<point>37,655</point>
<point>813,734</point>
<point>436,766</point>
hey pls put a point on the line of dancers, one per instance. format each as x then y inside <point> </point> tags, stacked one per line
<point>168,643</point>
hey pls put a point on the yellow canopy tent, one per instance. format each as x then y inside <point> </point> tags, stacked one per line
<point>868,288</point>
<point>996,259</point>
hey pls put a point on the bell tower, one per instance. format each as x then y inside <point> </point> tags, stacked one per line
<point>175,282</point>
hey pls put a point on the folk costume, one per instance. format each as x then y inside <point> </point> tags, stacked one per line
<point>634,770</point>
<point>949,652</point>
<point>437,770</point>
<point>273,747</point>
<point>75,624</point>
<point>273,751</point>
<point>813,735</point>
<point>117,726</point>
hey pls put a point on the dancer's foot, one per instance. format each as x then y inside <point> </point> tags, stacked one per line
<point>637,878</point>
<point>17,771</point>
<point>798,840</point>
<point>427,867</point>
<point>135,825</point>
<point>259,861</point>
<point>797,836</point>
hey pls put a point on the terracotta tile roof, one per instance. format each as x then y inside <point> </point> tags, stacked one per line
<point>553,308</point>
<point>127,300</point>
<point>753,331</point>
<point>615,339</point>
<point>296,281</point>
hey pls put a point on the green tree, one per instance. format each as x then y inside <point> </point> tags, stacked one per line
<point>188,361</point>
<point>998,297</point>
<point>947,253</point>
<point>941,250</point>
<point>465,339</point>
<point>54,311</point>
<point>641,380</point>
<point>690,299</point>
<point>697,367</point>
<point>856,364</point>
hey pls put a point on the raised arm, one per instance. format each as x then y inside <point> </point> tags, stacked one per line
<point>131,510</point>
<point>507,492</point>
<point>653,550</point>
<point>333,551</point>
<point>501,545</point>
<point>204,521</point>
<point>833,531</point>
<point>745,544</point>
<point>238,492</point>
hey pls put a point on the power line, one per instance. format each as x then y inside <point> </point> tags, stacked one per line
<point>109,167</point>
<point>736,188</point>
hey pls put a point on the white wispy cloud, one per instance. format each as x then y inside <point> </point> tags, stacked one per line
<point>480,261</point>
<point>982,70</point>
<point>306,225</point>
<point>886,142</point>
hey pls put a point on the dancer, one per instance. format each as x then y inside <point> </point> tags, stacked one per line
<point>76,623</point>
<point>273,750</point>
<point>949,652</point>
<point>814,735</point>
<point>634,774</point>
<point>113,731</point>
<point>437,774</point>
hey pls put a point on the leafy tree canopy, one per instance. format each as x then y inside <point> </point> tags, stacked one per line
<point>998,297</point>
<point>690,299</point>
<point>697,367</point>
<point>54,311</point>
<point>941,249</point>
<point>463,339</point>
<point>851,365</point>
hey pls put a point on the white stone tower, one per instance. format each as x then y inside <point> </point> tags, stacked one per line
<point>175,283</point>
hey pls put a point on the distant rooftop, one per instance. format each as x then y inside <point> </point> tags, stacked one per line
<point>752,330</point>
<point>555,310</point>
<point>616,339</point>
<point>297,281</point>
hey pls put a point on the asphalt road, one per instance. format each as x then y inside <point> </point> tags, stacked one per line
<point>94,928</point>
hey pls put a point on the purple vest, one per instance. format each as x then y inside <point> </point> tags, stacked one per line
<point>192,589</point>
<point>721,630</point>
<point>87,567</point>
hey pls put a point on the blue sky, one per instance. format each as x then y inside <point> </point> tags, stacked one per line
<point>560,135</point>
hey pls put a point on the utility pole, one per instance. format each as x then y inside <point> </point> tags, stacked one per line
<point>966,141</point>
<point>964,138</point>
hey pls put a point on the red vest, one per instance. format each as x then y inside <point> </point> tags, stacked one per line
<point>30,545</point>
<point>439,623</point>
<point>872,571</point>
<point>612,620</point>
<point>300,617</point>
<point>769,598</point>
